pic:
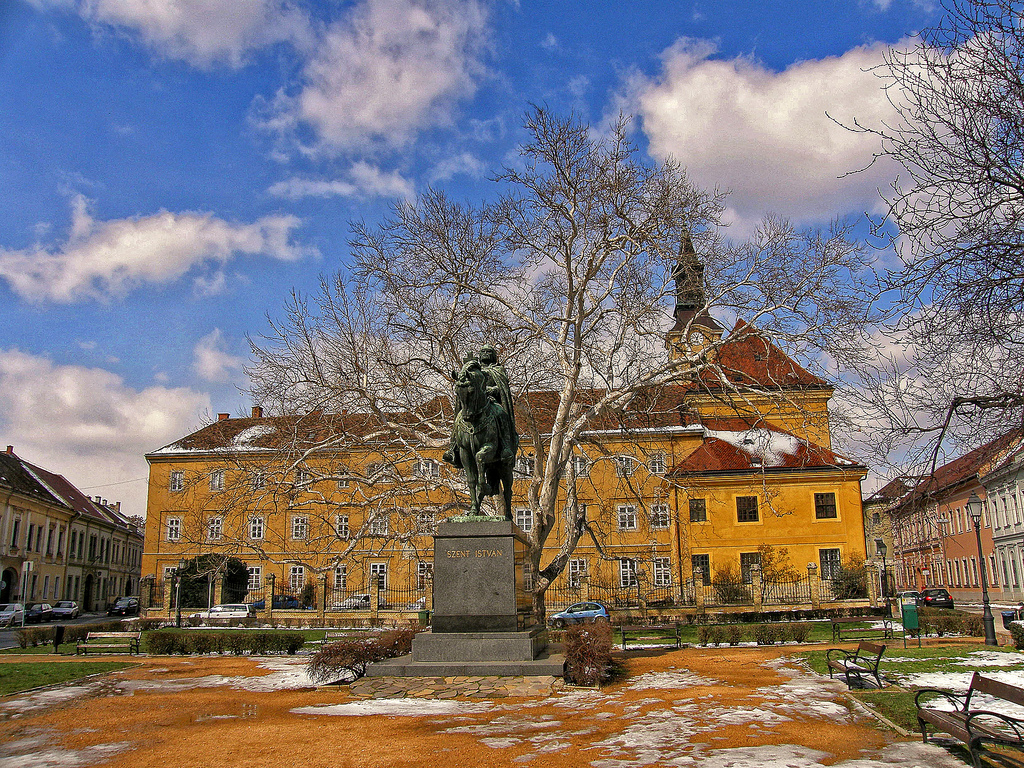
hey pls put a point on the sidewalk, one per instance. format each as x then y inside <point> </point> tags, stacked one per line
<point>741,708</point>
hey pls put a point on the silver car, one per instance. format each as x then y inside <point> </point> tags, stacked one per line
<point>66,609</point>
<point>12,614</point>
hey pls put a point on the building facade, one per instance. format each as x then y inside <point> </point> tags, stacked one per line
<point>682,493</point>
<point>56,543</point>
<point>1004,486</point>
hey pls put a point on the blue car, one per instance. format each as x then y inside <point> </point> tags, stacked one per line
<point>579,613</point>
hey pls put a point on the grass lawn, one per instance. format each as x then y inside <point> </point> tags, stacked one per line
<point>897,703</point>
<point>820,632</point>
<point>20,676</point>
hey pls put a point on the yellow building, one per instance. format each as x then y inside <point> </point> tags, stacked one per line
<point>685,492</point>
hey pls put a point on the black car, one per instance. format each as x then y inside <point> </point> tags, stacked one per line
<point>936,597</point>
<point>125,606</point>
<point>38,613</point>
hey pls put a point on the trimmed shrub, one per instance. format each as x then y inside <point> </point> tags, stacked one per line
<point>800,631</point>
<point>35,636</point>
<point>734,634</point>
<point>588,653</point>
<point>1017,633</point>
<point>765,634</point>
<point>716,635</point>
<point>704,634</point>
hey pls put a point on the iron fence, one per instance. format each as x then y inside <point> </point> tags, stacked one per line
<point>844,585</point>
<point>789,592</point>
<point>345,599</point>
<point>395,598</point>
<point>721,592</point>
<point>561,595</point>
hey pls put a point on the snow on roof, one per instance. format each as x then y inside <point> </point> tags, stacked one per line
<point>765,446</point>
<point>249,435</point>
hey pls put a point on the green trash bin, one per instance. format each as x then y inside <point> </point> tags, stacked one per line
<point>911,621</point>
<point>424,618</point>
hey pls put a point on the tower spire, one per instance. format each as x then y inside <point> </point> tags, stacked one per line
<point>693,327</point>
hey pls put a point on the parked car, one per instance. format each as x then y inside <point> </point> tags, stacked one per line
<point>579,613</point>
<point>66,609</point>
<point>12,614</point>
<point>285,602</point>
<point>125,606</point>
<point>354,603</point>
<point>37,613</point>
<point>936,597</point>
<point>909,594</point>
<point>227,611</point>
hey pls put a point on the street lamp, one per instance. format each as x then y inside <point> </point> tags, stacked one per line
<point>882,550</point>
<point>177,591</point>
<point>974,505</point>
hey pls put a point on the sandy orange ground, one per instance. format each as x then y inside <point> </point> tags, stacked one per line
<point>224,726</point>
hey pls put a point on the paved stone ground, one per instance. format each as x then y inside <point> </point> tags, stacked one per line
<point>474,687</point>
<point>713,708</point>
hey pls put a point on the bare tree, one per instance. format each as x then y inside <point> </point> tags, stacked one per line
<point>956,345</point>
<point>571,273</point>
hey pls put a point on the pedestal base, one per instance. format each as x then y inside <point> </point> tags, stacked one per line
<point>552,665</point>
<point>479,646</point>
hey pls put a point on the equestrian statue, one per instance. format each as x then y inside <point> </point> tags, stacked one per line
<point>484,440</point>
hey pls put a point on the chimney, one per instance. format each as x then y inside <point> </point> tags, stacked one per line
<point>117,506</point>
<point>257,412</point>
<point>223,416</point>
<point>10,450</point>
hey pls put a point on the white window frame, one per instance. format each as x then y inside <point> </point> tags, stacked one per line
<point>581,465</point>
<point>177,481</point>
<point>626,516</point>
<point>524,519</point>
<point>259,480</point>
<point>627,572</point>
<point>215,528</point>
<point>661,571</point>
<point>379,526</point>
<point>341,529</point>
<point>341,576</point>
<point>173,529</point>
<point>525,466</point>
<point>657,464</point>
<point>255,576</point>
<point>300,527</point>
<point>661,517</point>
<point>217,480</point>
<point>378,570</point>
<point>424,574</point>
<point>296,578</point>
<point>577,571</point>
<point>528,576</point>
<point>424,522</point>
<point>257,527</point>
<point>427,468</point>
<point>625,465</point>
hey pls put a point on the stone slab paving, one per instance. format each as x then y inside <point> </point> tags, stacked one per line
<point>471,686</point>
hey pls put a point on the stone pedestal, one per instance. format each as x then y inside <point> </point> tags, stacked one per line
<point>478,578</point>
<point>482,617</point>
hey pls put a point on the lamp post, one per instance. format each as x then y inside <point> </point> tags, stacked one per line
<point>882,550</point>
<point>974,505</point>
<point>177,592</point>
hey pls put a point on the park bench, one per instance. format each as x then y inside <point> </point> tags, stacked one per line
<point>974,726</point>
<point>653,631</point>
<point>848,626</point>
<point>109,641</point>
<point>853,665</point>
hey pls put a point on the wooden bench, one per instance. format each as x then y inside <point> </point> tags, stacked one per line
<point>845,626</point>
<point>110,641</point>
<point>974,726</point>
<point>641,630</point>
<point>854,665</point>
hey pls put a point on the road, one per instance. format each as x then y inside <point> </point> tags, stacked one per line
<point>9,637</point>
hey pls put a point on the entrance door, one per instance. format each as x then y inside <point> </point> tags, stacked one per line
<point>87,597</point>
<point>9,579</point>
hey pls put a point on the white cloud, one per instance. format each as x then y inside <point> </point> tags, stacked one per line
<point>212,361</point>
<point>364,180</point>
<point>388,69</point>
<point>199,32</point>
<point>765,135</point>
<point>103,259</point>
<point>462,164</point>
<point>88,425</point>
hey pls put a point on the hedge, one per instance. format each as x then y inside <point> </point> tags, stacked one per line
<point>166,643</point>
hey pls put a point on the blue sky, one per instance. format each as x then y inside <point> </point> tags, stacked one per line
<point>172,170</point>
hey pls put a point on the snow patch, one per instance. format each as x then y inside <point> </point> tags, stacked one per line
<point>395,708</point>
<point>769,447</point>
<point>252,433</point>
<point>674,680</point>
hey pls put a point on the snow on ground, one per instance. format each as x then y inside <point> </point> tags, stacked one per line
<point>992,659</point>
<point>395,708</point>
<point>676,679</point>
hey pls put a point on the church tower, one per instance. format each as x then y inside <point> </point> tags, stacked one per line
<point>694,328</point>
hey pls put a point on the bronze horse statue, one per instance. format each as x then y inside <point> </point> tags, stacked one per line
<point>476,440</point>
